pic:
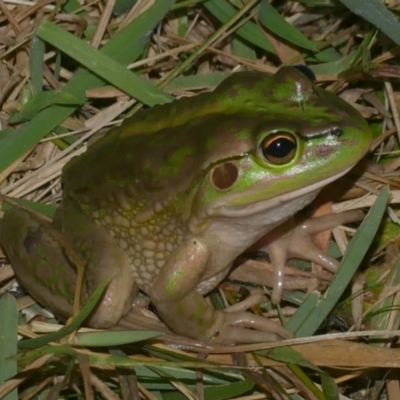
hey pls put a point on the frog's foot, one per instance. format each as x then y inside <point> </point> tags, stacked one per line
<point>296,241</point>
<point>262,329</point>
<point>186,312</point>
<point>221,326</point>
<point>239,327</point>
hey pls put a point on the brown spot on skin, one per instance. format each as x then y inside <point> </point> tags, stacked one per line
<point>224,175</point>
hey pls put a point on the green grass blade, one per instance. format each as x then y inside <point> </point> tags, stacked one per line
<point>42,101</point>
<point>39,207</point>
<point>229,391</point>
<point>73,326</point>
<point>8,341</point>
<point>304,312</point>
<point>275,23</point>
<point>296,362</point>
<point>102,65</point>
<point>386,312</point>
<point>377,14</point>
<point>36,64</point>
<point>125,47</point>
<point>112,338</point>
<point>223,11</point>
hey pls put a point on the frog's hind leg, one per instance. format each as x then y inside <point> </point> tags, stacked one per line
<point>44,269</point>
<point>104,260</point>
<point>32,247</point>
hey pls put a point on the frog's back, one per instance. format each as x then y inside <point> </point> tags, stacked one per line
<point>154,148</point>
<point>167,149</point>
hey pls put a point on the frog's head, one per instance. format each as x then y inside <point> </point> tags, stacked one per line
<point>286,139</point>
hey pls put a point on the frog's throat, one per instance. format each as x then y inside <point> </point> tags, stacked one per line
<point>264,205</point>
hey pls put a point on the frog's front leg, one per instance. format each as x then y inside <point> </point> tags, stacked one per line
<point>295,239</point>
<point>187,312</point>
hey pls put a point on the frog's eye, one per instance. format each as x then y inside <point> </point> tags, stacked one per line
<point>279,148</point>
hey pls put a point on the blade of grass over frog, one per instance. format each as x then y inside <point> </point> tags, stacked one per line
<point>375,12</point>
<point>223,11</point>
<point>355,253</point>
<point>8,341</point>
<point>102,65</point>
<point>112,338</point>
<point>275,23</point>
<point>73,326</point>
<point>36,57</point>
<point>39,207</point>
<point>125,47</point>
<point>40,102</point>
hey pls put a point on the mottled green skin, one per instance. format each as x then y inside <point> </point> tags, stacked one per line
<point>143,204</point>
<point>155,150</point>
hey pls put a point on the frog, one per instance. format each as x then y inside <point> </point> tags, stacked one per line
<point>167,201</point>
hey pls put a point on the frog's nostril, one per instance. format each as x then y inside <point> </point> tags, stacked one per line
<point>224,175</point>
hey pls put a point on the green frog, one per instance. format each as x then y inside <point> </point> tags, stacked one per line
<point>167,201</point>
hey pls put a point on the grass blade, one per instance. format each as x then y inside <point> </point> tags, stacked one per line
<point>102,65</point>
<point>124,47</point>
<point>8,341</point>
<point>376,12</point>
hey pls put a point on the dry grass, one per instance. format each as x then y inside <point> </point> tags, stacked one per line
<point>186,51</point>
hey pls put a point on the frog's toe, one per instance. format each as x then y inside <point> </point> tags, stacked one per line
<point>142,319</point>
<point>250,301</point>
<point>244,327</point>
<point>233,335</point>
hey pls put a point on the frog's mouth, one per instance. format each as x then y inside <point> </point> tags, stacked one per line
<point>308,193</point>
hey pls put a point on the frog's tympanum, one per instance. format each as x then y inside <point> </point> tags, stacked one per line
<point>170,199</point>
